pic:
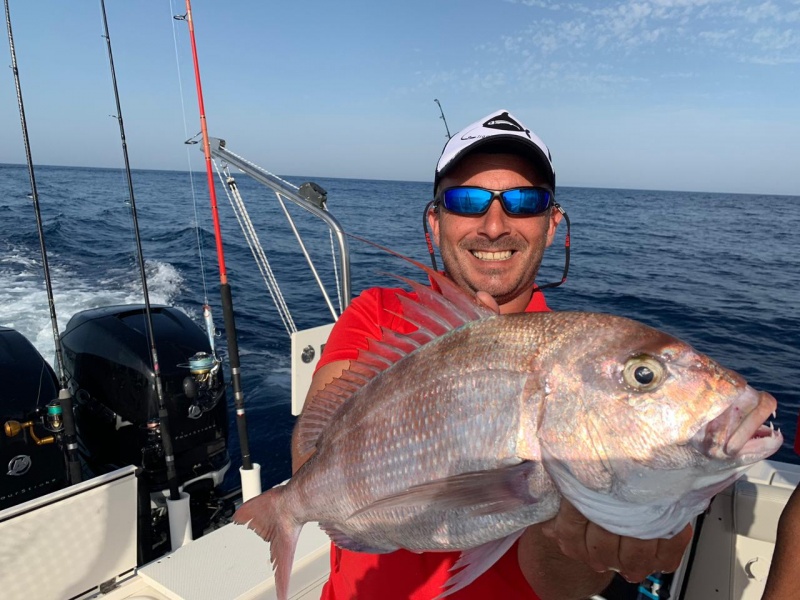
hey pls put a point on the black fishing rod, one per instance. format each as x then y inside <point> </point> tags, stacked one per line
<point>64,396</point>
<point>163,414</point>
<point>441,111</point>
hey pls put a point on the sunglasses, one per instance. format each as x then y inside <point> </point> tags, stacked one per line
<point>467,200</point>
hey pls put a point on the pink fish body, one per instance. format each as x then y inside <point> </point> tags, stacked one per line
<point>460,435</point>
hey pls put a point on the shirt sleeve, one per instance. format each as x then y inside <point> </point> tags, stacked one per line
<point>362,320</point>
<point>357,324</point>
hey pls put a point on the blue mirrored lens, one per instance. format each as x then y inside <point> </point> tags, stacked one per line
<point>476,201</point>
<point>467,201</point>
<point>526,201</point>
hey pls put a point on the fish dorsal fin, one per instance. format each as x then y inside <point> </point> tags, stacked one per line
<point>447,288</point>
<point>454,307</point>
<point>436,310</point>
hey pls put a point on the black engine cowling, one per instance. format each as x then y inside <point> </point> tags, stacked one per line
<point>107,357</point>
<point>30,470</point>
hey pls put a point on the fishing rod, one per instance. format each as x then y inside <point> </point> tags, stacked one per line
<point>441,111</point>
<point>64,396</point>
<point>225,288</point>
<point>163,414</point>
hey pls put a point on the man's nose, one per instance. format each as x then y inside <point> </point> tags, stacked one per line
<point>495,221</point>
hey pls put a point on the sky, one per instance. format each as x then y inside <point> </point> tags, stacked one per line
<point>693,95</point>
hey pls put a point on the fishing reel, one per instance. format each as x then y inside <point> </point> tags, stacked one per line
<point>204,386</point>
<point>51,420</point>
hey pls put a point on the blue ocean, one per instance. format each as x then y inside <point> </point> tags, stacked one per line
<point>717,270</point>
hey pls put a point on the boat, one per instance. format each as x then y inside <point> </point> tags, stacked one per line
<point>33,462</point>
<point>729,558</point>
<point>46,556</point>
<point>106,559</point>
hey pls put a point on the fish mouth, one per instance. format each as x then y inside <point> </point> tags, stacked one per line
<point>492,256</point>
<point>742,432</point>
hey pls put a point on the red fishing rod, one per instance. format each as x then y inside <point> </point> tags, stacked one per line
<point>225,288</point>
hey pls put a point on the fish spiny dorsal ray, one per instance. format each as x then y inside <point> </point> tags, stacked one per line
<point>457,309</point>
<point>436,311</point>
<point>440,283</point>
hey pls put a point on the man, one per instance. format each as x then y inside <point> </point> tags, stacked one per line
<point>492,219</point>
<point>782,580</point>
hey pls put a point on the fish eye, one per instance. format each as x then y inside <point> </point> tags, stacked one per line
<point>643,373</point>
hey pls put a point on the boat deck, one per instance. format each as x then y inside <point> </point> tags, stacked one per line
<point>79,544</point>
<point>232,563</point>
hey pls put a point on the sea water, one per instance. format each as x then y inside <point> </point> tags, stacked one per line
<point>717,270</point>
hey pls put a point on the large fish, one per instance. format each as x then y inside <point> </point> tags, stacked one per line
<point>460,435</point>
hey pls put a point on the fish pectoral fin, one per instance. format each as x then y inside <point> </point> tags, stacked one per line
<point>482,492</point>
<point>344,541</point>
<point>476,561</point>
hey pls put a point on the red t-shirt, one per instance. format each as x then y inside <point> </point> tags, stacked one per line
<point>403,575</point>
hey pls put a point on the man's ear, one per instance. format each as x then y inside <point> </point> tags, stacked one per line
<point>555,219</point>
<point>433,223</point>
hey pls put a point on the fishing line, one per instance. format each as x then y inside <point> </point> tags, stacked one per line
<point>225,288</point>
<point>190,141</point>
<point>251,237</point>
<point>163,415</point>
<point>64,396</point>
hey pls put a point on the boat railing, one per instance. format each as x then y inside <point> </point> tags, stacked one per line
<point>309,197</point>
<point>306,345</point>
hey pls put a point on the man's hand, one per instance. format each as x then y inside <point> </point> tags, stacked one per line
<point>485,299</point>
<point>634,559</point>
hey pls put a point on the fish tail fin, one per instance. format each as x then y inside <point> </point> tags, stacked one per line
<point>271,518</point>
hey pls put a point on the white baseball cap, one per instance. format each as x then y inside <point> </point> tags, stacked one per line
<point>497,132</point>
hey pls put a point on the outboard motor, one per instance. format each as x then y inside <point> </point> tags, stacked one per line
<point>107,356</point>
<point>31,448</point>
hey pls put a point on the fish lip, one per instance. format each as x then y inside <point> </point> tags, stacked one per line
<point>740,432</point>
<point>748,429</point>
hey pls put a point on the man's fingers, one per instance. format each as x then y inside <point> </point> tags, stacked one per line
<point>640,558</point>
<point>671,551</point>
<point>486,299</point>
<point>568,529</point>
<point>637,558</point>
<point>603,549</point>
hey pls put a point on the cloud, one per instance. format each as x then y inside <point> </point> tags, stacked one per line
<point>719,30</point>
<point>620,47</point>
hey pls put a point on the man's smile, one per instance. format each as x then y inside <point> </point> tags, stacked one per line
<point>492,256</point>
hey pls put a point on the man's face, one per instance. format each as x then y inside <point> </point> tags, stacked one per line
<point>494,252</point>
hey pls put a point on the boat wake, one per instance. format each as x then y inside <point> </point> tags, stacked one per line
<point>23,300</point>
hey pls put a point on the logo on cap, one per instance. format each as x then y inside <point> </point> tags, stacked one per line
<point>506,123</point>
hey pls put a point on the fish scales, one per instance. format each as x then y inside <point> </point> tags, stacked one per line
<point>445,420</point>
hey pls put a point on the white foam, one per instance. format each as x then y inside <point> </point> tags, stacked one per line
<point>23,298</point>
